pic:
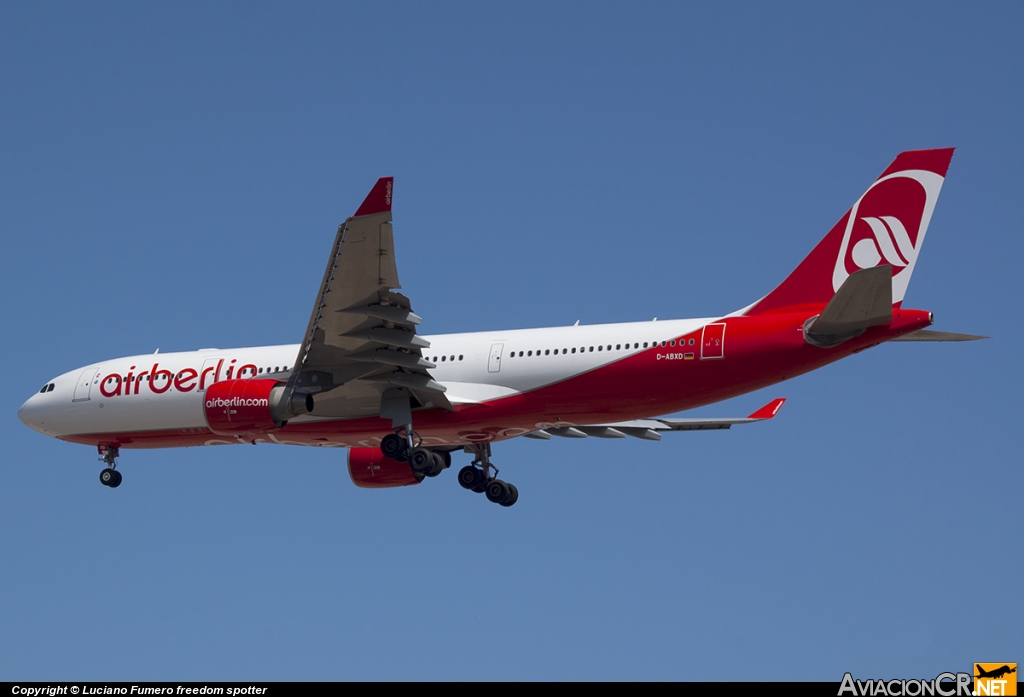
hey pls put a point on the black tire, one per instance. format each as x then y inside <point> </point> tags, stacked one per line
<point>117,480</point>
<point>421,460</point>
<point>470,477</point>
<point>513,496</point>
<point>438,466</point>
<point>497,491</point>
<point>447,457</point>
<point>392,446</point>
<point>107,476</point>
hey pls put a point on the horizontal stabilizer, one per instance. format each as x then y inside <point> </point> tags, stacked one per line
<point>932,335</point>
<point>864,300</point>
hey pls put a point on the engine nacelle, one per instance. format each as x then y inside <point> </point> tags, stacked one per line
<point>370,469</point>
<point>251,406</point>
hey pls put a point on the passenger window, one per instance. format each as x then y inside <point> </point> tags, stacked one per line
<point>672,343</point>
<point>529,353</point>
<point>599,348</point>
<point>547,352</point>
<point>460,356</point>
<point>691,342</point>
<point>574,349</point>
<point>452,358</point>
<point>442,358</point>
<point>618,347</point>
<point>663,344</point>
<point>565,351</point>
<point>591,349</point>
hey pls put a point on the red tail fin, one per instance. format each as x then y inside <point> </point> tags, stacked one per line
<point>886,225</point>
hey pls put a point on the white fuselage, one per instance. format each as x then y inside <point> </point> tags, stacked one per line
<point>164,390</point>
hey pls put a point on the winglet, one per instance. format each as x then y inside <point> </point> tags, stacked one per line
<point>769,410</point>
<point>379,198</point>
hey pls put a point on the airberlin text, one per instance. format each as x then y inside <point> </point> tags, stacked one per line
<point>944,685</point>
<point>54,690</point>
<point>159,380</point>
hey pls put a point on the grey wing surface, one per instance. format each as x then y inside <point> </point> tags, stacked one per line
<point>361,339</point>
<point>651,429</point>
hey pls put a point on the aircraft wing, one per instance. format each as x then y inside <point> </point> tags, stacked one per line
<point>651,429</point>
<point>933,335</point>
<point>361,339</point>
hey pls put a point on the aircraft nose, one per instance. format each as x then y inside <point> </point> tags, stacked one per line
<point>29,414</point>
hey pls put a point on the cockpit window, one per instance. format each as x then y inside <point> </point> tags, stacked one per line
<point>48,387</point>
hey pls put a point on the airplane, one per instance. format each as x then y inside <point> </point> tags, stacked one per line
<point>994,673</point>
<point>363,378</point>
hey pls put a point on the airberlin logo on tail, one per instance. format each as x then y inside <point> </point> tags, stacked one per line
<point>887,225</point>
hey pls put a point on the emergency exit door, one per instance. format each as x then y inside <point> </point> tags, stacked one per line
<point>494,362</point>
<point>712,343</point>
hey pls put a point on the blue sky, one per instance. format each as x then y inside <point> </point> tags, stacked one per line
<point>171,177</point>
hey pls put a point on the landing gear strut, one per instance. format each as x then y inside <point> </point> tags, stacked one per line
<point>110,476</point>
<point>482,477</point>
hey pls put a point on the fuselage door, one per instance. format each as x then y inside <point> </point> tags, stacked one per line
<point>208,375</point>
<point>712,343</point>
<point>494,362</point>
<point>84,386</point>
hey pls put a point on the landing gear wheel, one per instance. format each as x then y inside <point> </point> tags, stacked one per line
<point>109,476</point>
<point>117,480</point>
<point>438,466</point>
<point>421,460</point>
<point>497,491</point>
<point>471,478</point>
<point>513,496</point>
<point>392,446</point>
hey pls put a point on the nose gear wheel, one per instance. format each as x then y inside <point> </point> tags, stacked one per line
<point>109,476</point>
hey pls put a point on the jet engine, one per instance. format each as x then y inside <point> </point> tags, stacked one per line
<point>252,406</point>
<point>370,469</point>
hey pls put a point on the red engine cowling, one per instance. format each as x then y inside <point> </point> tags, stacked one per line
<point>369,469</point>
<point>240,407</point>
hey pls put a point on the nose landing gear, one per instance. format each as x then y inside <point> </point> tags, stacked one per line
<point>481,477</point>
<point>109,476</point>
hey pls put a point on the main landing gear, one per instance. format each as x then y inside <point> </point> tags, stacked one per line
<point>478,477</point>
<point>404,446</point>
<point>481,476</point>
<point>110,476</point>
